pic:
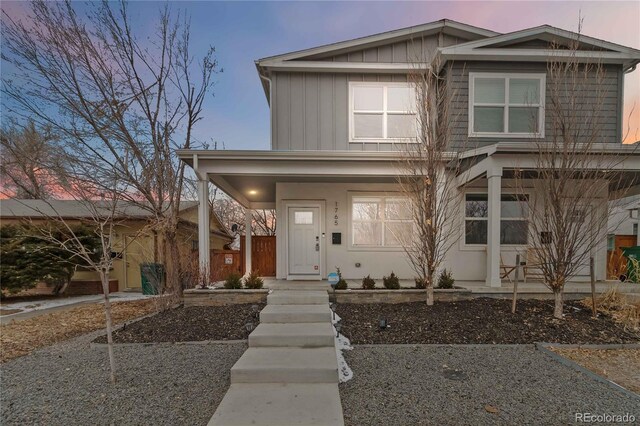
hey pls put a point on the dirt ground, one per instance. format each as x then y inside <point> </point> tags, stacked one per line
<point>195,323</point>
<point>478,321</point>
<point>621,366</point>
<point>19,338</point>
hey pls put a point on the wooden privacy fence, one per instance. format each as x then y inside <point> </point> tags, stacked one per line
<point>616,262</point>
<point>263,254</point>
<point>263,258</point>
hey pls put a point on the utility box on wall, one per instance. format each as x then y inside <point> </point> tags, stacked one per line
<point>336,238</point>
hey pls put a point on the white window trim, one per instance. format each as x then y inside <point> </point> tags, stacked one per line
<point>385,113</point>
<point>507,76</point>
<point>382,195</point>
<point>463,240</point>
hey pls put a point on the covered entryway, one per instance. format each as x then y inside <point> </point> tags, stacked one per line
<point>305,223</point>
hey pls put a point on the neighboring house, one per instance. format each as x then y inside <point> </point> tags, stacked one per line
<point>622,232</point>
<point>337,126</point>
<point>132,245</point>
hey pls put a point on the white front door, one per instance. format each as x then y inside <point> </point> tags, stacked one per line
<point>304,241</point>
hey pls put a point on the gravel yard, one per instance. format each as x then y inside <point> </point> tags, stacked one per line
<point>195,323</point>
<point>441,385</point>
<point>478,321</point>
<point>165,384</point>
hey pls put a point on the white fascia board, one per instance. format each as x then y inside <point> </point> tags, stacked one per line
<point>203,154</point>
<point>345,67</point>
<point>537,55</point>
<point>385,37</point>
<point>541,30</point>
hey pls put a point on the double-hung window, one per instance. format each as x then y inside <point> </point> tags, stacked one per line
<point>381,111</point>
<point>510,105</point>
<point>378,221</point>
<point>514,219</point>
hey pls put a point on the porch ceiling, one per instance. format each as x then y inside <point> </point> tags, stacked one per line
<point>250,177</point>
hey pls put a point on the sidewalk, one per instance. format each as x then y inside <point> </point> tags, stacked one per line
<point>36,308</point>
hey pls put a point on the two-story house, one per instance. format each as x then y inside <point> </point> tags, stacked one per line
<point>339,124</point>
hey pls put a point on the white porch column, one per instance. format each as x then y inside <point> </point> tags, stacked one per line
<point>247,240</point>
<point>203,227</point>
<point>494,178</point>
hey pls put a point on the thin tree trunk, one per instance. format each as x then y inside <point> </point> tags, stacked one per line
<point>557,306</point>
<point>107,311</point>
<point>430,294</point>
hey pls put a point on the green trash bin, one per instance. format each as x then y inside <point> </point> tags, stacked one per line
<point>152,276</point>
<point>633,258</point>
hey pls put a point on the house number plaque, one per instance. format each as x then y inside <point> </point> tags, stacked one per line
<point>335,214</point>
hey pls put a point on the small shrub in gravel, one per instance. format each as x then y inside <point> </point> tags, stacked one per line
<point>342,284</point>
<point>233,281</point>
<point>445,280</point>
<point>391,282</point>
<point>253,281</point>
<point>368,283</point>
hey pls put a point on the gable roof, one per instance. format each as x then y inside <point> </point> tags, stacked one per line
<point>497,48</point>
<point>447,25</point>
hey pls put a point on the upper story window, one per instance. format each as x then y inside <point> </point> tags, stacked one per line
<point>509,105</point>
<point>381,112</point>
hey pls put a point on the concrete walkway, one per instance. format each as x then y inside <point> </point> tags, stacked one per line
<point>289,374</point>
<point>47,306</point>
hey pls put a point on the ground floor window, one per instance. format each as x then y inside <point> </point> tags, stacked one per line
<point>514,215</point>
<point>380,221</point>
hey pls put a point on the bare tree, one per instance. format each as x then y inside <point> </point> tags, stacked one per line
<point>100,212</point>
<point>230,213</point>
<point>30,167</point>
<point>264,222</point>
<point>122,103</point>
<point>566,188</point>
<point>427,177</point>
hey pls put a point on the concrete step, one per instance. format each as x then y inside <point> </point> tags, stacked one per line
<point>286,365</point>
<point>277,404</point>
<point>302,335</point>
<point>293,297</point>
<point>295,313</point>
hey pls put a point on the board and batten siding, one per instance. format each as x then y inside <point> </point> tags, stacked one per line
<point>611,87</point>
<point>310,111</point>
<point>418,48</point>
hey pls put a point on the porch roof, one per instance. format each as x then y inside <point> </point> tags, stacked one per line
<point>250,177</point>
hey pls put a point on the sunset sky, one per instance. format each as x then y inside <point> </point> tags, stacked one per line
<point>237,116</point>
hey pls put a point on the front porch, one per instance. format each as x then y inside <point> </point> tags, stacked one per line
<point>316,190</point>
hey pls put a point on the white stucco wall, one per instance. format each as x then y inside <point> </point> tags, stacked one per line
<point>467,263</point>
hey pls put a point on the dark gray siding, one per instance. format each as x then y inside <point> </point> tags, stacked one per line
<point>610,112</point>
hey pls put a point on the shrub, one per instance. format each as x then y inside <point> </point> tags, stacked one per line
<point>368,283</point>
<point>420,283</point>
<point>342,284</point>
<point>233,281</point>
<point>618,306</point>
<point>253,281</point>
<point>445,280</point>
<point>391,282</point>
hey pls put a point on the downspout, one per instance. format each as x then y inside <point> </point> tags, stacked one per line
<point>265,78</point>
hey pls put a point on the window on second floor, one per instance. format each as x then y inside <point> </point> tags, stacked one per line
<point>510,105</point>
<point>381,112</point>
